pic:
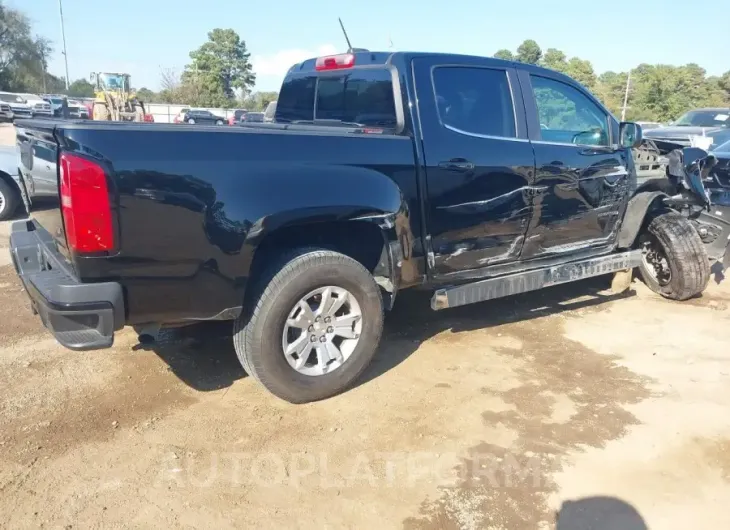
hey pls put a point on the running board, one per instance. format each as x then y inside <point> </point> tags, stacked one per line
<point>522,282</point>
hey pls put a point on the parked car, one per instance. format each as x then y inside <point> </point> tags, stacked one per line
<point>270,112</point>
<point>713,123</point>
<point>237,116</point>
<point>39,106</point>
<point>253,117</point>
<point>428,171</point>
<point>202,117</point>
<point>76,109</point>
<point>18,107</point>
<point>56,102</point>
<point>6,113</point>
<point>647,125</point>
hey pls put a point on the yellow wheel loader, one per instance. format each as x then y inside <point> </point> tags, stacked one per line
<point>114,98</point>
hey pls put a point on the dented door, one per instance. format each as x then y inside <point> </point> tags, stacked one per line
<point>582,175</point>
<point>479,162</point>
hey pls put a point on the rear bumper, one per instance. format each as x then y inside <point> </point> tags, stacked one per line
<point>81,316</point>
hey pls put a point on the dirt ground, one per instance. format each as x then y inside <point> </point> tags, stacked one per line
<point>7,134</point>
<point>569,408</point>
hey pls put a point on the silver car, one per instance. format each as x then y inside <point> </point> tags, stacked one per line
<point>18,107</point>
<point>713,123</point>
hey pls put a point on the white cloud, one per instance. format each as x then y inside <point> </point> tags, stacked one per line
<point>277,64</point>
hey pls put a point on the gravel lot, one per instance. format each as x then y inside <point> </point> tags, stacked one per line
<point>558,409</point>
<point>7,134</point>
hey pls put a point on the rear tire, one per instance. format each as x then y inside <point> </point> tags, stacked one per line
<point>675,263</point>
<point>258,331</point>
<point>9,200</point>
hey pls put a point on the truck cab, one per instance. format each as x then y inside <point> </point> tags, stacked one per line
<point>515,162</point>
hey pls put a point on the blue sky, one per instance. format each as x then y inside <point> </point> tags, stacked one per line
<point>614,35</point>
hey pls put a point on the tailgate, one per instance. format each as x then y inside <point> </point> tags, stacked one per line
<point>39,170</point>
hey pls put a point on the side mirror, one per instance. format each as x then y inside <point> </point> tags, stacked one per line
<point>630,134</point>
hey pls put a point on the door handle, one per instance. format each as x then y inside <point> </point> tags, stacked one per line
<point>597,150</point>
<point>457,164</point>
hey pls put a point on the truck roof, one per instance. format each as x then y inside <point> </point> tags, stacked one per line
<point>365,58</point>
<point>375,58</point>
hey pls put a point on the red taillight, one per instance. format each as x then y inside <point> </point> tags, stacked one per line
<point>87,213</point>
<point>335,62</point>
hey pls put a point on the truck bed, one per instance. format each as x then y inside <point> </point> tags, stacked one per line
<point>189,202</point>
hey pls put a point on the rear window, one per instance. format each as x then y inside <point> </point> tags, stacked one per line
<point>362,96</point>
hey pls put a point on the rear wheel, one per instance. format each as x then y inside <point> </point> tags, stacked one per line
<point>312,327</point>
<point>9,200</point>
<point>674,261</point>
<point>191,121</point>
<point>219,122</point>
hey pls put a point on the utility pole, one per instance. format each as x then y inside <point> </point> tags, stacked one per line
<point>626,98</point>
<point>63,36</point>
<point>43,67</point>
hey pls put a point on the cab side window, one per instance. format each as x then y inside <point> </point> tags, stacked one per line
<point>475,101</point>
<point>568,116</point>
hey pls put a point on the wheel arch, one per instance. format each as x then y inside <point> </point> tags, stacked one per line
<point>371,240</point>
<point>15,187</point>
<point>640,205</point>
<point>10,180</point>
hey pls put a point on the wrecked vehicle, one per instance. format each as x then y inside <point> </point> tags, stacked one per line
<point>649,161</point>
<point>473,177</point>
<point>711,123</point>
<point>712,219</point>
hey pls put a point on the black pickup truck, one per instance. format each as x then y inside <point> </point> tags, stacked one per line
<point>476,178</point>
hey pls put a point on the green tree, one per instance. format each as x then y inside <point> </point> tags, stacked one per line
<point>147,95</point>
<point>555,59</point>
<point>664,92</point>
<point>529,52</point>
<point>504,54</point>
<point>218,68</point>
<point>81,88</point>
<point>582,71</point>
<point>723,84</point>
<point>258,101</point>
<point>657,92</point>
<point>22,56</point>
<point>610,88</point>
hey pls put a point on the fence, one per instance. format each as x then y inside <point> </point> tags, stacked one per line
<point>164,113</point>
